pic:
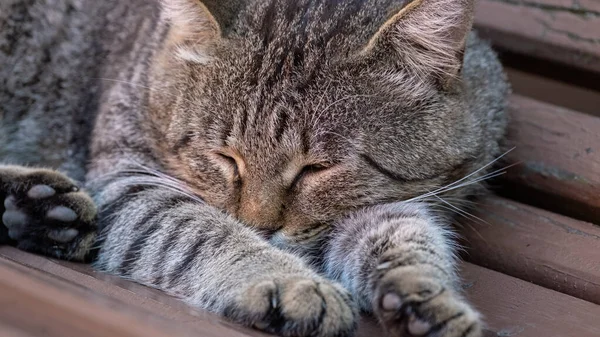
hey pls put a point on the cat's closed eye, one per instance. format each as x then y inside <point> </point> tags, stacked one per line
<point>306,171</point>
<point>231,163</point>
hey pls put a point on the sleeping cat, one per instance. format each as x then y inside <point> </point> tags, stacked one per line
<point>284,163</point>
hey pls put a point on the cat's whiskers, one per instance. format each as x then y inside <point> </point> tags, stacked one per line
<point>487,176</point>
<point>165,184</point>
<point>459,224</point>
<point>155,172</point>
<point>474,181</point>
<point>460,202</point>
<point>157,179</point>
<point>467,183</point>
<point>463,182</point>
<point>458,184</point>
<point>161,179</point>
<point>461,211</point>
<point>176,182</point>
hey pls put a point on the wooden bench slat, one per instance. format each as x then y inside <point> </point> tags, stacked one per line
<point>513,307</point>
<point>559,155</point>
<point>554,92</point>
<point>556,30</point>
<point>7,330</point>
<point>39,308</point>
<point>579,6</point>
<point>509,304</point>
<point>138,302</point>
<point>538,246</point>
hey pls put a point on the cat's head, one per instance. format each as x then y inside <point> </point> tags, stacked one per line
<point>289,114</point>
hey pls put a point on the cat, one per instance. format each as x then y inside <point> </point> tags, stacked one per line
<point>286,164</point>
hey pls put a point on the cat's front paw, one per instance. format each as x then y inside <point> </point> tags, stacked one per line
<point>410,303</point>
<point>45,212</point>
<point>296,306</point>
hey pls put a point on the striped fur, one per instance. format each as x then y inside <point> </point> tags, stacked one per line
<point>403,249</point>
<point>252,157</point>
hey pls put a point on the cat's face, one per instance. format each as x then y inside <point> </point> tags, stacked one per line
<point>288,136</point>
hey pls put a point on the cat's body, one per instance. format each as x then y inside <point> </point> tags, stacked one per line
<point>284,120</point>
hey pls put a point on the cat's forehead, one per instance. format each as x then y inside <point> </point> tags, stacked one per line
<point>328,98</point>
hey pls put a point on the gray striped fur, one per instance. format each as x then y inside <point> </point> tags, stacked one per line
<point>270,161</point>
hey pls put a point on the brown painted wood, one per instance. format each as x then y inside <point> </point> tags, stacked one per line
<point>534,245</point>
<point>578,6</point>
<point>513,307</point>
<point>554,92</point>
<point>558,30</point>
<point>41,297</point>
<point>135,300</point>
<point>559,155</point>
<point>39,307</point>
<point>139,304</point>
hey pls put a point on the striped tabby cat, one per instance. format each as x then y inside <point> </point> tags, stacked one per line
<point>284,163</point>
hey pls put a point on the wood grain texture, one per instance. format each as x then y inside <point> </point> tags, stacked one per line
<point>62,297</point>
<point>538,246</point>
<point>139,305</point>
<point>558,30</point>
<point>559,155</point>
<point>44,297</point>
<point>513,307</point>
<point>141,302</point>
<point>554,92</point>
<point>577,6</point>
<point>38,306</point>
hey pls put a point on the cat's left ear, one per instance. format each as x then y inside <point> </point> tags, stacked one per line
<point>426,37</point>
<point>194,31</point>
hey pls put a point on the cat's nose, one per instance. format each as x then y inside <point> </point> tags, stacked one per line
<point>262,213</point>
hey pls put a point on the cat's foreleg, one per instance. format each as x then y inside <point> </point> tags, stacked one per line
<point>398,260</point>
<point>171,241</point>
<point>44,211</point>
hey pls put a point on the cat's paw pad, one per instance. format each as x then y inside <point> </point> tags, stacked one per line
<point>410,304</point>
<point>296,306</point>
<point>47,213</point>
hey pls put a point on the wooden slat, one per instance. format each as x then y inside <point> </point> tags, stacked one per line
<point>538,246</point>
<point>559,155</point>
<point>135,300</point>
<point>62,299</point>
<point>554,92</point>
<point>35,307</point>
<point>558,30</point>
<point>510,305</point>
<point>513,307</point>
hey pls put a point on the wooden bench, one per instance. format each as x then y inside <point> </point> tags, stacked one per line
<point>564,31</point>
<point>532,251</point>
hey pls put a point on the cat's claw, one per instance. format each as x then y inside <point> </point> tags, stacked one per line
<point>45,212</point>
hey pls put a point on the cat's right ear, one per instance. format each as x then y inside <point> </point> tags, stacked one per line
<point>194,31</point>
<point>426,38</point>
